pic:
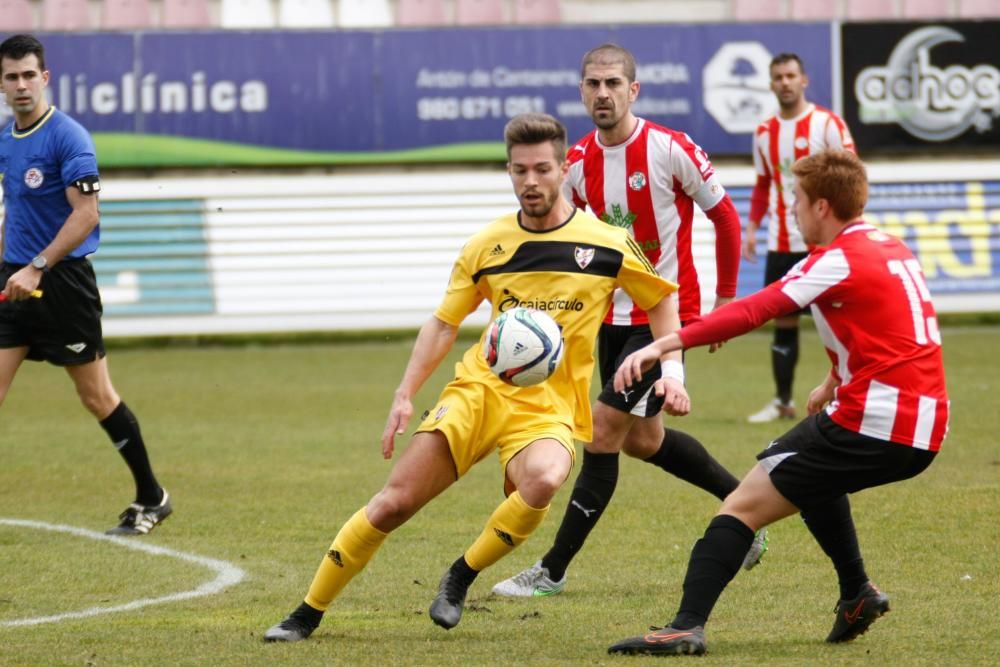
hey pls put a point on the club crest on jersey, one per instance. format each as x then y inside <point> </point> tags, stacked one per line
<point>584,256</point>
<point>34,178</point>
<point>801,143</point>
<point>637,181</point>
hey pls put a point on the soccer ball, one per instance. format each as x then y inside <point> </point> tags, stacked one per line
<point>523,347</point>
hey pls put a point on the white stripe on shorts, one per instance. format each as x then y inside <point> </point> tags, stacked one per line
<point>640,408</point>
<point>771,462</point>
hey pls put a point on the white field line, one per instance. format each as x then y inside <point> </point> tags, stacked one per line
<point>227,574</point>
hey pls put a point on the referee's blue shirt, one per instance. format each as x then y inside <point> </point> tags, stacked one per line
<point>37,164</point>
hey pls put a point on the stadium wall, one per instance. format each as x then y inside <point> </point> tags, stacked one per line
<point>297,248</point>
<point>373,250</point>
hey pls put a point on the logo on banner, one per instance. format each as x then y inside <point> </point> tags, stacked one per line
<point>737,86</point>
<point>931,103</point>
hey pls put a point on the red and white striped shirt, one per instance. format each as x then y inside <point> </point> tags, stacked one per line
<point>648,184</point>
<point>875,318</point>
<point>778,143</point>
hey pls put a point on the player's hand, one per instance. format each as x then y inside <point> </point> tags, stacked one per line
<point>675,397</point>
<point>720,301</point>
<point>819,397</point>
<point>399,417</point>
<point>634,366</point>
<point>22,283</point>
<point>750,246</point>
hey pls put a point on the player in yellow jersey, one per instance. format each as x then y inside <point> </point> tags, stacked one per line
<point>548,256</point>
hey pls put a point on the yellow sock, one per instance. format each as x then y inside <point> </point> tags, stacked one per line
<point>510,525</point>
<point>351,550</point>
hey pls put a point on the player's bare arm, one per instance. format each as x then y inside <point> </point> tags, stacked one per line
<point>78,226</point>
<point>433,342</point>
<point>759,202</point>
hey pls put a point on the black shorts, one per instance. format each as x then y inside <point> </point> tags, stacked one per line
<point>62,327</point>
<point>819,461</point>
<point>614,343</point>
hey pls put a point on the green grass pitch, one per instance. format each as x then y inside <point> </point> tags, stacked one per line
<point>269,449</point>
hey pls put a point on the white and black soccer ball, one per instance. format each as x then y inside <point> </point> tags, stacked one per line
<point>523,346</point>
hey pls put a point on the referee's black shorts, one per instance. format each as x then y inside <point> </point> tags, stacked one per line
<point>818,461</point>
<point>63,326</point>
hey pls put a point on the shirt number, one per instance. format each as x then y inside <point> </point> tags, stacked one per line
<point>924,328</point>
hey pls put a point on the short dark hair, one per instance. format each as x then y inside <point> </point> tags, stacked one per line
<point>610,54</point>
<point>536,128</point>
<point>837,176</point>
<point>783,58</point>
<point>17,47</point>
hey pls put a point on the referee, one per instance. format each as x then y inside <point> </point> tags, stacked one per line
<point>50,308</point>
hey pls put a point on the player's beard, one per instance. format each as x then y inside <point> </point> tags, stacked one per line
<point>789,103</point>
<point>538,208</point>
<point>608,121</point>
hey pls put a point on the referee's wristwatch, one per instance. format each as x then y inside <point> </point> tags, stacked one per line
<point>40,263</point>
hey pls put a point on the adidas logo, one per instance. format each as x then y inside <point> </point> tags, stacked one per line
<point>497,251</point>
<point>519,348</point>
<point>334,555</point>
<point>77,347</point>
<point>504,537</point>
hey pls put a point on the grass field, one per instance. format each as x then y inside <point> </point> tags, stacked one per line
<point>268,449</point>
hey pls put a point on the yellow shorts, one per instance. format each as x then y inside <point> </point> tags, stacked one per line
<point>475,419</point>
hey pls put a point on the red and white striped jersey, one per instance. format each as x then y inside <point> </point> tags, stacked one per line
<point>875,317</point>
<point>777,144</point>
<point>648,185</point>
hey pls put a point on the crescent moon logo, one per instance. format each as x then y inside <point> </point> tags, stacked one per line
<point>929,102</point>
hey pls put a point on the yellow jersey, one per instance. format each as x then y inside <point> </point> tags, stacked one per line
<point>571,273</point>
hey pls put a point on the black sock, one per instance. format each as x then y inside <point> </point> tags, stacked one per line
<point>685,457</point>
<point>833,528</point>
<point>307,615</point>
<point>591,494</point>
<point>784,357</point>
<point>715,560</point>
<point>123,429</point>
<point>461,569</point>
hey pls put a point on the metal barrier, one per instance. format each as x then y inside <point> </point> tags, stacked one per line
<point>293,252</point>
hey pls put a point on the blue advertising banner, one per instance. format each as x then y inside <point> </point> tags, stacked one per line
<point>708,80</point>
<point>217,98</point>
<point>299,90</point>
<point>952,227</point>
